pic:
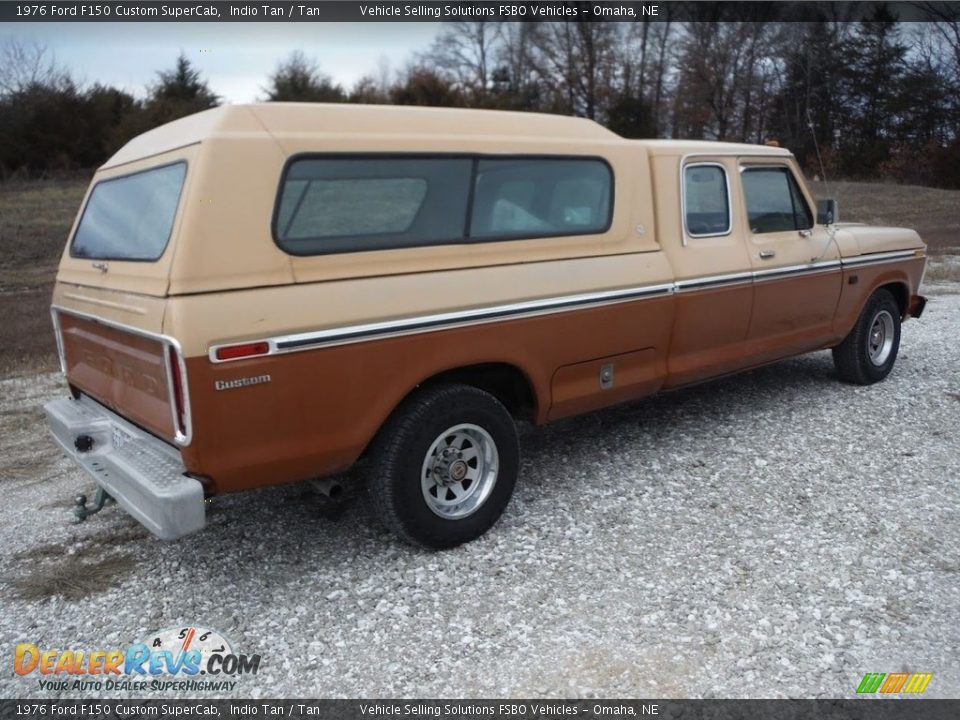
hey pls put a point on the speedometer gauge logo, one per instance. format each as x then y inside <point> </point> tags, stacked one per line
<point>177,640</point>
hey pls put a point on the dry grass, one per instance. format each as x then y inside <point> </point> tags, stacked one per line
<point>26,335</point>
<point>943,268</point>
<point>935,214</point>
<point>76,570</point>
<point>66,577</point>
<point>35,219</point>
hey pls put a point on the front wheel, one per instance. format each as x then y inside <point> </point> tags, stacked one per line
<point>444,466</point>
<point>868,353</point>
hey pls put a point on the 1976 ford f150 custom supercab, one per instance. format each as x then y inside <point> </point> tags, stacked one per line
<point>260,294</point>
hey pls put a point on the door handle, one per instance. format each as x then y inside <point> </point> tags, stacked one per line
<point>767,254</point>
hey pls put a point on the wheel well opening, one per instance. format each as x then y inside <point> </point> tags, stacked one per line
<point>900,294</point>
<point>505,382</point>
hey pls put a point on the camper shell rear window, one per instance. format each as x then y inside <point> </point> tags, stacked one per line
<point>130,217</point>
<point>350,203</point>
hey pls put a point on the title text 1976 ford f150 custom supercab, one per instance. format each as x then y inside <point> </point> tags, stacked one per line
<point>260,294</point>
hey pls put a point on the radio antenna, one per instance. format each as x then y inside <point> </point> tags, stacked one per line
<point>831,230</point>
<point>816,146</point>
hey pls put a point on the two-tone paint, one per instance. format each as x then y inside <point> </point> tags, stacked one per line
<point>346,337</point>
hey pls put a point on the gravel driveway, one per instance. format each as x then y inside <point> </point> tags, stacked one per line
<point>771,534</point>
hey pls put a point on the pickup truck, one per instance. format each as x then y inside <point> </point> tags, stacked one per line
<point>269,293</point>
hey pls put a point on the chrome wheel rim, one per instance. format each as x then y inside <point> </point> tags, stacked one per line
<point>880,338</point>
<point>459,471</point>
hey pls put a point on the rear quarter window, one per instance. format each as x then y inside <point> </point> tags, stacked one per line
<point>130,217</point>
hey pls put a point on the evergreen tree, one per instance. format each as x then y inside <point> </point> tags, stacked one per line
<point>877,70</point>
<point>178,92</point>
<point>424,86</point>
<point>299,79</point>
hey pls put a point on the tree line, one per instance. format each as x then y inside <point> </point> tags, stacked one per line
<point>859,98</point>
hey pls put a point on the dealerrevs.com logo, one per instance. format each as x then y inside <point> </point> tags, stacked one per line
<point>181,659</point>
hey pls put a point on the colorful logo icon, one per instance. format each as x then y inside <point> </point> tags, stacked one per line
<point>894,683</point>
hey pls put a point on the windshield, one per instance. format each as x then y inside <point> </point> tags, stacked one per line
<point>130,217</point>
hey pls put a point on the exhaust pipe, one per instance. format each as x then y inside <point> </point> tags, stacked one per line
<point>330,488</point>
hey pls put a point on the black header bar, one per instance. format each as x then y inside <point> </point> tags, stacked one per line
<point>432,11</point>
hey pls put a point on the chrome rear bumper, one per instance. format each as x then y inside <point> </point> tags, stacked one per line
<point>141,472</point>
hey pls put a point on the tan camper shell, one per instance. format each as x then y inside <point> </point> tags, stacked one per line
<point>261,294</point>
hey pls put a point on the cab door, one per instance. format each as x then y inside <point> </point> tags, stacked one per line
<point>796,264</point>
<point>710,259</point>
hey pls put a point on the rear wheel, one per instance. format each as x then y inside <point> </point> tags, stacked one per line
<point>444,466</point>
<point>868,353</point>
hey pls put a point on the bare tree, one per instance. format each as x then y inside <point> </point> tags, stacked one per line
<point>514,78</point>
<point>723,68</point>
<point>576,61</point>
<point>946,31</point>
<point>25,64</point>
<point>467,50</point>
<point>384,75</point>
<point>643,54</point>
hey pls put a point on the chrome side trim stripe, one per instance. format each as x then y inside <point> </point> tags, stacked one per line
<point>428,322</point>
<point>771,274</point>
<point>879,257</point>
<point>804,269</point>
<point>441,321</point>
<point>712,281</point>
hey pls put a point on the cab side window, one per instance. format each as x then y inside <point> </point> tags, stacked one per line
<point>774,201</point>
<point>706,200</point>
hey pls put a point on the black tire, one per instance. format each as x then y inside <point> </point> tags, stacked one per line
<point>859,358</point>
<point>414,446</point>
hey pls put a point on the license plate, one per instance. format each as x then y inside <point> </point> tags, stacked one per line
<point>120,437</point>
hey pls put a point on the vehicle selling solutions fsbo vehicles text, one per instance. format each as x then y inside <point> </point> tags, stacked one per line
<point>513,10</point>
<point>515,709</point>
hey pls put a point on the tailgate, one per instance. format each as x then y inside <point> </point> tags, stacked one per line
<point>112,350</point>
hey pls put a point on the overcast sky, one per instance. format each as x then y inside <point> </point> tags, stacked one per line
<point>235,58</point>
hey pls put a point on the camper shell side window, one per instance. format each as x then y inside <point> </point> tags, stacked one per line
<point>351,203</point>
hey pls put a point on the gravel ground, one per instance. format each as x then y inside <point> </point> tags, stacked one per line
<point>767,535</point>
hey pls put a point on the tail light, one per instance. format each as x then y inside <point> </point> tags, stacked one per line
<point>178,395</point>
<point>58,336</point>
<point>235,352</point>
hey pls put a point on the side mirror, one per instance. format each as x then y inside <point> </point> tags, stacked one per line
<point>827,212</point>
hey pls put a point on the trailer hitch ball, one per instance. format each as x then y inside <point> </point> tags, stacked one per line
<point>80,509</point>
